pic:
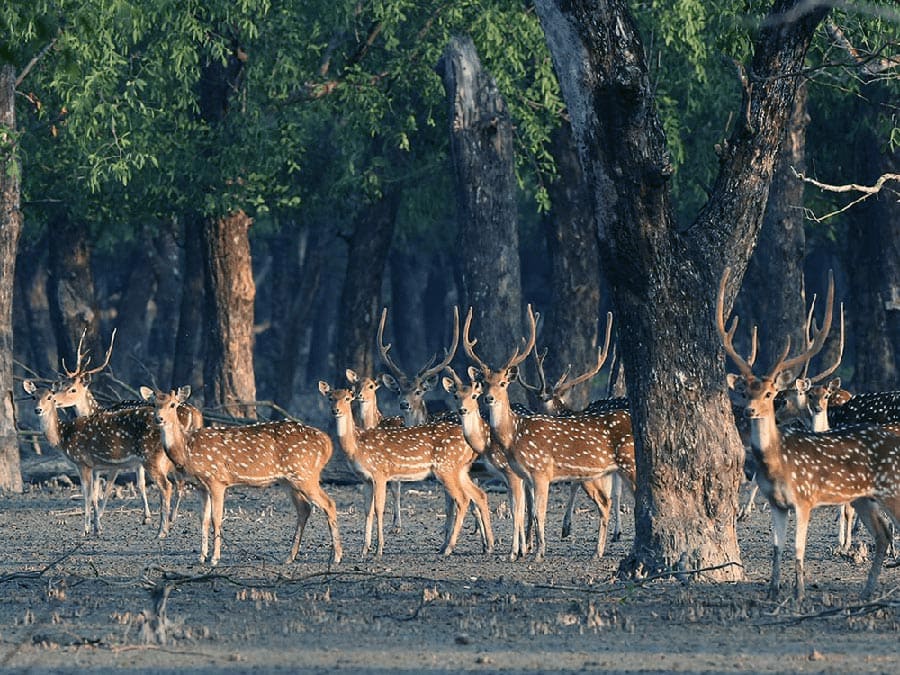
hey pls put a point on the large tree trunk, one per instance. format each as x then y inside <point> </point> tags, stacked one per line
<point>10,228</point>
<point>772,296</point>
<point>228,362</point>
<point>664,278</point>
<point>481,150</point>
<point>570,330</point>
<point>360,309</point>
<point>186,363</point>
<point>70,290</point>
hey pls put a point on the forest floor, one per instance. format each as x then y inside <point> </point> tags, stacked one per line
<point>69,602</point>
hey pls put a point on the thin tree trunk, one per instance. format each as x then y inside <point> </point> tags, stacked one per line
<point>228,362</point>
<point>481,151</point>
<point>33,314</point>
<point>570,329</point>
<point>664,278</point>
<point>70,290</point>
<point>409,279</point>
<point>129,359</point>
<point>360,302</point>
<point>187,361</point>
<point>168,272</point>
<point>10,229</point>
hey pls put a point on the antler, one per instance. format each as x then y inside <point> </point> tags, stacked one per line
<point>383,349</point>
<point>427,371</point>
<point>785,364</point>
<point>80,356</point>
<point>728,335</point>
<point>825,373</point>
<point>540,390</point>
<point>516,358</point>
<point>561,388</point>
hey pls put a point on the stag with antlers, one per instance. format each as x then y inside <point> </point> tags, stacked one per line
<point>542,449</point>
<point>800,470</point>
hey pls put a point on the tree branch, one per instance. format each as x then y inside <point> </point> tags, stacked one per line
<point>865,190</point>
<point>37,57</point>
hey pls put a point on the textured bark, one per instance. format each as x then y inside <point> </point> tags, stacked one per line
<point>32,322</point>
<point>70,290</point>
<point>228,315</point>
<point>772,293</point>
<point>663,279</point>
<point>129,358</point>
<point>481,151</point>
<point>360,304</point>
<point>10,229</point>
<point>187,364</point>
<point>570,329</point>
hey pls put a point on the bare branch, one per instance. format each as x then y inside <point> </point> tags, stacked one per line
<point>865,190</point>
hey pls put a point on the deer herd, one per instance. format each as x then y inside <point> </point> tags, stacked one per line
<point>808,443</point>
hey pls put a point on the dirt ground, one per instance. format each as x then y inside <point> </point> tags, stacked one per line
<point>126,600</point>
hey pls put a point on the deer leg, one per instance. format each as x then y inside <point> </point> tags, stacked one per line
<point>541,492</point>
<point>180,487</point>
<point>845,527</point>
<point>747,508</point>
<point>395,491</point>
<point>451,516</point>
<point>454,493</point>
<point>165,499</point>
<point>616,506</point>
<point>320,498</point>
<point>87,495</point>
<point>205,522</point>
<point>879,527</point>
<point>598,491</point>
<point>570,510</point>
<point>142,487</point>
<point>482,510</point>
<point>802,526</point>
<point>304,508</point>
<point>104,492</point>
<point>370,517</point>
<point>380,494</point>
<point>779,533</point>
<point>217,499</point>
<point>517,508</point>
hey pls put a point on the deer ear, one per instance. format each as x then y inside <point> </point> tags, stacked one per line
<point>183,393</point>
<point>449,385</point>
<point>352,377</point>
<point>474,374</point>
<point>783,380</point>
<point>29,386</point>
<point>834,384</point>
<point>147,394</point>
<point>324,388</point>
<point>736,382</point>
<point>430,383</point>
<point>803,384</point>
<point>388,381</point>
<point>512,373</point>
<point>477,388</point>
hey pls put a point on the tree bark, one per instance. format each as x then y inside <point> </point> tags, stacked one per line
<point>70,290</point>
<point>129,358</point>
<point>360,304</point>
<point>482,154</point>
<point>772,296</point>
<point>186,364</point>
<point>664,278</point>
<point>409,280</point>
<point>168,272</point>
<point>32,323</point>
<point>570,329</point>
<point>10,229</point>
<point>228,311</point>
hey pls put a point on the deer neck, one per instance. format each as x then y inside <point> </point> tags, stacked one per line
<point>369,415</point>
<point>50,425</point>
<point>766,441</point>
<point>346,433</point>
<point>503,422</point>
<point>87,406</point>
<point>415,415</point>
<point>176,443</point>
<point>476,431</point>
<point>819,420</point>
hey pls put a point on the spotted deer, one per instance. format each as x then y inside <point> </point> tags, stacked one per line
<point>381,454</point>
<point>74,391</point>
<point>288,453</point>
<point>543,449</point>
<point>105,441</point>
<point>477,433</point>
<point>552,401</point>
<point>800,470</point>
<point>368,416</point>
<point>411,391</point>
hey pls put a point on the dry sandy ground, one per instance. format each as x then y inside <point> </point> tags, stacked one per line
<point>69,602</point>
